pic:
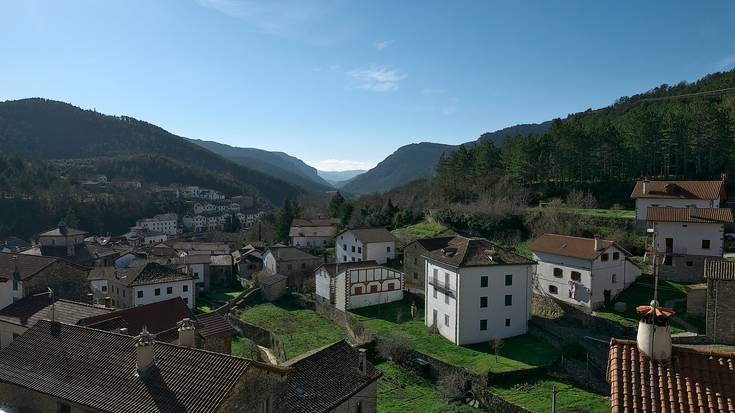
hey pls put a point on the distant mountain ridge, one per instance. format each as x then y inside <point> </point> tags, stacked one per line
<point>277,164</point>
<point>339,178</point>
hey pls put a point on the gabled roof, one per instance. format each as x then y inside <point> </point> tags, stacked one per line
<point>692,215</point>
<point>267,279</point>
<point>29,310</point>
<point>157,317</point>
<point>298,222</point>
<point>140,272</point>
<point>212,325</point>
<point>715,269</point>
<point>56,232</point>
<point>468,252</point>
<point>370,235</point>
<point>431,244</point>
<point>333,267</point>
<point>289,254</point>
<point>325,378</point>
<point>709,190</point>
<point>691,381</point>
<point>28,265</point>
<point>96,369</point>
<point>568,246</point>
<point>312,231</point>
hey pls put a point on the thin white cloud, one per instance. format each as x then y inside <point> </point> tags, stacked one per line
<point>427,92</point>
<point>340,165</point>
<point>268,16</point>
<point>727,63</point>
<point>447,108</point>
<point>376,79</point>
<point>383,44</point>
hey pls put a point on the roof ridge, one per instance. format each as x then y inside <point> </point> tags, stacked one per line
<point>311,353</point>
<point>729,354</point>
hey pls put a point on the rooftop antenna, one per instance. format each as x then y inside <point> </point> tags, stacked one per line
<point>50,294</point>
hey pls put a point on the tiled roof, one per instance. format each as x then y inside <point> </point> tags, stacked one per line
<point>201,246</point>
<point>315,222</point>
<point>567,246</point>
<point>266,278</point>
<point>467,252</point>
<point>212,325</point>
<point>157,317</point>
<point>691,381</point>
<point>220,260</point>
<point>432,244</point>
<point>332,268</point>
<point>290,254</point>
<point>312,231</point>
<point>140,272</point>
<point>719,269</point>
<point>679,189</point>
<point>28,265</point>
<point>694,215</point>
<point>56,232</point>
<point>29,310</point>
<point>368,235</point>
<point>325,378</point>
<point>96,369</point>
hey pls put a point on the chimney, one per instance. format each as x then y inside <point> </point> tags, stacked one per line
<point>362,353</point>
<point>108,302</point>
<point>646,186</point>
<point>598,243</point>
<point>144,351</point>
<point>187,333</point>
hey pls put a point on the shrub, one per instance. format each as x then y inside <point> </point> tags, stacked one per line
<point>452,385</point>
<point>394,348</point>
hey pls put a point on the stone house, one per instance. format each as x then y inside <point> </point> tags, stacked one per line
<point>221,269</point>
<point>315,233</point>
<point>296,264</point>
<point>272,286</point>
<point>720,318</point>
<point>414,263</point>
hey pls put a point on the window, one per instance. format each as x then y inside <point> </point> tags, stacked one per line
<point>415,276</point>
<point>64,408</point>
<point>353,259</point>
<point>705,244</point>
<point>353,248</point>
<point>344,258</point>
<point>605,257</point>
<point>290,267</point>
<point>169,290</point>
<point>303,265</point>
<point>576,276</point>
<point>15,285</point>
<point>446,279</point>
<point>483,302</point>
<point>446,320</point>
<point>434,319</point>
<point>483,281</point>
<point>616,256</point>
<point>387,249</point>
<point>689,263</point>
<point>358,407</point>
<point>185,288</point>
<point>508,279</point>
<point>157,291</point>
<point>553,289</point>
<point>507,322</point>
<point>446,298</point>
<point>104,288</point>
<point>508,300</point>
<point>483,325</point>
<point>358,290</point>
<point>614,278</point>
<point>558,272</point>
<point>186,300</point>
<point>122,291</point>
<point>373,289</point>
<point>359,250</point>
<point>140,294</point>
<point>344,247</point>
<point>415,260</point>
<point>434,291</point>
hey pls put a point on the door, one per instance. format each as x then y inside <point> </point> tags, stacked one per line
<point>606,293</point>
<point>669,245</point>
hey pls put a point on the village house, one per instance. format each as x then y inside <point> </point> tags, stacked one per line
<point>58,367</point>
<point>198,266</point>
<point>477,291</point>
<point>221,269</point>
<point>162,318</point>
<point>334,378</point>
<point>292,262</point>
<point>194,223</point>
<point>272,286</point>
<point>414,263</point>
<point>145,282</point>
<point>676,194</point>
<point>67,243</point>
<point>24,275</point>
<point>164,223</point>
<point>365,244</point>
<point>206,248</point>
<point>13,244</point>
<point>313,233</point>
<point>689,380</point>
<point>358,284</point>
<point>686,237</point>
<point>251,261</point>
<point>18,317</point>
<point>720,301</point>
<point>585,272</point>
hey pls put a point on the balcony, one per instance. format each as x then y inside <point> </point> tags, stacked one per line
<point>442,287</point>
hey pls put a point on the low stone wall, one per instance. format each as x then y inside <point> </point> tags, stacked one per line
<point>244,299</point>
<point>259,336</point>
<point>357,331</point>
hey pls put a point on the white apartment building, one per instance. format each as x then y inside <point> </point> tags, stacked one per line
<point>586,272</point>
<point>477,291</point>
<point>164,223</point>
<point>143,282</point>
<point>365,244</point>
<point>677,194</point>
<point>358,284</point>
<point>194,223</point>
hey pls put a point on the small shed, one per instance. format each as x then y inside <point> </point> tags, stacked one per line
<point>272,286</point>
<point>697,300</point>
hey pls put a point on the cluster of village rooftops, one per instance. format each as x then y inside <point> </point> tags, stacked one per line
<point>108,324</point>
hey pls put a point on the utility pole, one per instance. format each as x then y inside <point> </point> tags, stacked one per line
<point>553,399</point>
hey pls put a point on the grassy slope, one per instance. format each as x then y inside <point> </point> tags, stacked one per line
<point>603,213</point>
<point>519,353</point>
<point>243,347</point>
<point>216,297</point>
<point>534,393</point>
<point>300,330</point>
<point>424,229</point>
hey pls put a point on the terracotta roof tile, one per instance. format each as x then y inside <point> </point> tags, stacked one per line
<point>568,246</point>
<point>468,252</point>
<point>212,325</point>
<point>679,189</point>
<point>693,215</point>
<point>692,381</point>
<point>719,269</point>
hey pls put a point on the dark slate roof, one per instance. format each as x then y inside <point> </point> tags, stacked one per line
<point>266,278</point>
<point>332,268</point>
<point>140,272</point>
<point>715,269</point>
<point>369,235</point>
<point>56,232</point>
<point>679,189</point>
<point>693,215</point>
<point>325,378</point>
<point>469,252</point>
<point>28,265</point>
<point>29,310</point>
<point>157,317</point>
<point>290,254</point>
<point>691,381</point>
<point>432,244</point>
<point>96,369</point>
<point>212,325</point>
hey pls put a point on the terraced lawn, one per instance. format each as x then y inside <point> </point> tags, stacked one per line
<point>534,393</point>
<point>216,297</point>
<point>300,330</point>
<point>424,229</point>
<point>243,347</point>
<point>519,353</point>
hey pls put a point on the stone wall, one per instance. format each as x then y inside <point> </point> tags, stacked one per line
<point>697,300</point>
<point>221,344</point>
<point>259,336</point>
<point>245,299</point>
<point>721,311</point>
<point>356,331</point>
<point>687,268</point>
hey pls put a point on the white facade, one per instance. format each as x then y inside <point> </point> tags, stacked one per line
<point>584,282</point>
<point>478,304</point>
<point>6,293</point>
<point>350,249</point>
<point>360,287</point>
<point>150,238</point>
<point>166,224</point>
<point>153,293</point>
<point>642,204</point>
<point>311,241</point>
<point>690,238</point>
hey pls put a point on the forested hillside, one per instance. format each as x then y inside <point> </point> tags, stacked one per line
<point>46,129</point>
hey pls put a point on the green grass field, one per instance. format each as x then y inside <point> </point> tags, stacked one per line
<point>519,353</point>
<point>402,391</point>
<point>243,347</point>
<point>216,297</point>
<point>424,229</point>
<point>534,393</point>
<point>605,213</point>
<point>300,330</point>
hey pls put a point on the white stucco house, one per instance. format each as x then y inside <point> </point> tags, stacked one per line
<point>477,291</point>
<point>586,272</point>
<point>365,244</point>
<point>685,237</point>
<point>358,284</point>
<point>313,233</point>
<point>677,194</point>
<point>164,223</point>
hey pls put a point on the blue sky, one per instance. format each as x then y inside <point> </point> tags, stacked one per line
<point>342,84</point>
